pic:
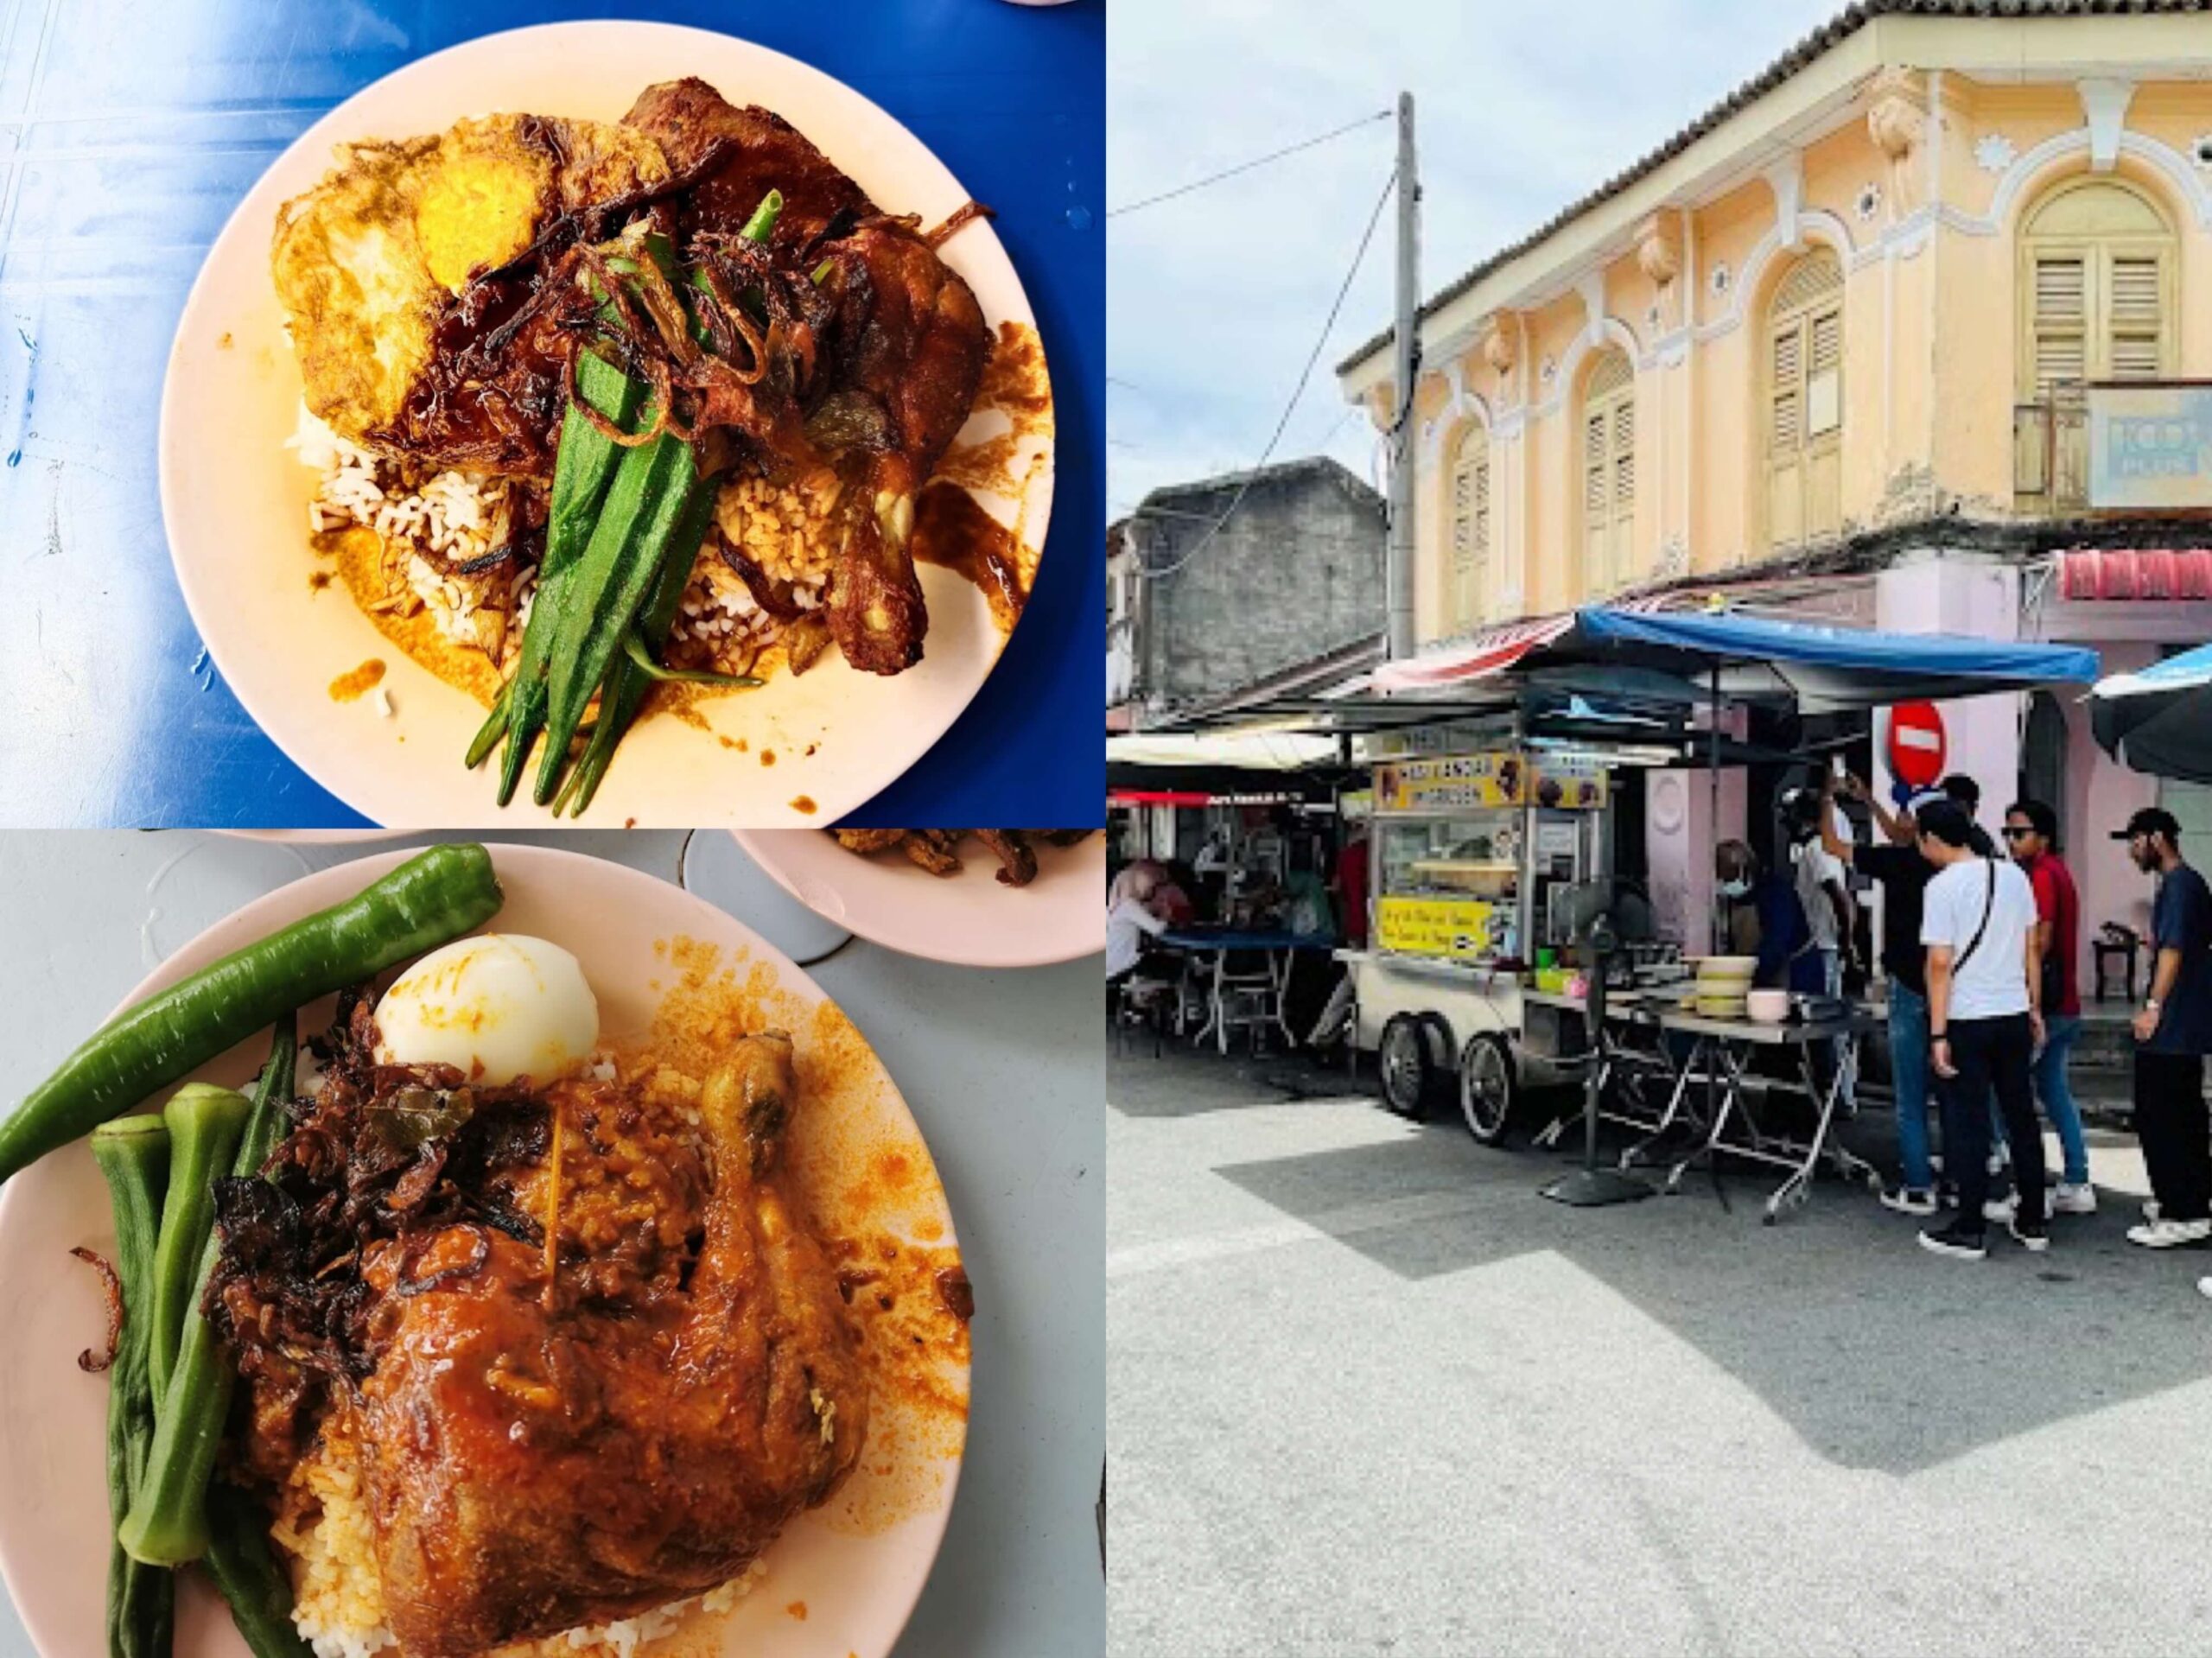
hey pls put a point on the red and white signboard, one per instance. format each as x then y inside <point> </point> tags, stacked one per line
<point>1917,745</point>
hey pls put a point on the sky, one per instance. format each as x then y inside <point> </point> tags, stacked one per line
<point>1521,106</point>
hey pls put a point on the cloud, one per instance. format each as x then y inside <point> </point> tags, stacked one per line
<point>1521,105</point>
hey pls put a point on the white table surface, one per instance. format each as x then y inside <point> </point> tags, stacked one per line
<point>1004,1071</point>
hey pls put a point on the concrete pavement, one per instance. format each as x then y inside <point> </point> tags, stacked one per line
<point>1369,1393</point>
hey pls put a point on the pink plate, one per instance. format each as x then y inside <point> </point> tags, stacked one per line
<point>858,1563</point>
<point>968,919</point>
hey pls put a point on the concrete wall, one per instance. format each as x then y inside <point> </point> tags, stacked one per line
<point>1296,572</point>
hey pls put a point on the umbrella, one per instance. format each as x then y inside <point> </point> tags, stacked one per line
<point>2160,720</point>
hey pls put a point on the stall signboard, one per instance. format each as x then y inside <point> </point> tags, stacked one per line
<point>2151,445</point>
<point>1570,782</point>
<point>1452,782</point>
<point>1455,929</point>
<point>1445,737</point>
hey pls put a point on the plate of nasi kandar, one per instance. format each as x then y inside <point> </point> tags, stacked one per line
<point>610,420</point>
<point>479,1252</point>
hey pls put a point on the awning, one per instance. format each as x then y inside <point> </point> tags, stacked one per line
<point>1819,667</point>
<point>1488,652</point>
<point>2158,573</point>
<point>2159,720</point>
<point>1269,764</point>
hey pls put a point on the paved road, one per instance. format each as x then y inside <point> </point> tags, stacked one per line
<point>1369,1394</point>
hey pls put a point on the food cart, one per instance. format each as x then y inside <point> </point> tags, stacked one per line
<point>1482,853</point>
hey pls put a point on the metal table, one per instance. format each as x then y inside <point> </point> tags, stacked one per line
<point>1279,949</point>
<point>128,132</point>
<point>1719,1056</point>
<point>1720,1052</point>
<point>1000,1068</point>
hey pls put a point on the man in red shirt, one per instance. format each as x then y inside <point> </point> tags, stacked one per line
<point>2031,834</point>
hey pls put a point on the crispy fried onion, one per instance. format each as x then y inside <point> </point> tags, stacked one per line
<point>408,1284</point>
<point>92,1359</point>
<point>966,213</point>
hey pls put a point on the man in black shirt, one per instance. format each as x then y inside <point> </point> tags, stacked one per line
<point>2173,1033</point>
<point>1896,862</point>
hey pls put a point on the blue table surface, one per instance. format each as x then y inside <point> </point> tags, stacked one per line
<point>1235,938</point>
<point>128,133</point>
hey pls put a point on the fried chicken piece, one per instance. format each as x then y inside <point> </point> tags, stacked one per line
<point>760,151</point>
<point>936,850</point>
<point>538,1457</point>
<point>909,338</point>
<point>866,841</point>
<point>1017,863</point>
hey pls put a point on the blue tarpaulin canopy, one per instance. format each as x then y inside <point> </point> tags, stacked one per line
<point>2160,720</point>
<point>1821,668</point>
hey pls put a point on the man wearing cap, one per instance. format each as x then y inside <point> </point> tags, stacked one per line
<point>1903,874</point>
<point>2173,1033</point>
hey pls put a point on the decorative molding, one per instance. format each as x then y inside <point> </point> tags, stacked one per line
<point>1722,277</point>
<point>1497,346</point>
<point>2200,149</point>
<point>2189,185</point>
<point>1994,152</point>
<point>2104,108</point>
<point>1590,285</point>
<point>1786,178</point>
<point>1896,121</point>
<point>1548,371</point>
<point>1868,206</point>
<point>1659,247</point>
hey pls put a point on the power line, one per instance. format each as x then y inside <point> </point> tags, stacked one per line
<point>1297,391</point>
<point>1246,167</point>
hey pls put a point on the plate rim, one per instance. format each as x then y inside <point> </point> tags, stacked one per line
<point>168,441</point>
<point>749,840</point>
<point>165,972</point>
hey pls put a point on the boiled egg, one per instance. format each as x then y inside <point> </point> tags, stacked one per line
<point>494,1007</point>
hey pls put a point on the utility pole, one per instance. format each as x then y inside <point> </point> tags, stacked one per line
<point>1398,568</point>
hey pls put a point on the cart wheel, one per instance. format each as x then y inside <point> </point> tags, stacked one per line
<point>1487,1089</point>
<point>1407,1066</point>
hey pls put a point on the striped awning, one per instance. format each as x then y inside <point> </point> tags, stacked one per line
<point>2158,573</point>
<point>1489,651</point>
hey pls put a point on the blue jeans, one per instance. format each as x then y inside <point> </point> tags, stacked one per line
<point>1908,1081</point>
<point>2061,1031</point>
<point>2055,1092</point>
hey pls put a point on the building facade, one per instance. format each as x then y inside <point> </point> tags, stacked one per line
<point>1841,346</point>
<point>1208,608</point>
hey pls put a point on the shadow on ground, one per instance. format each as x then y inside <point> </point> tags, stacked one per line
<point>1878,1354</point>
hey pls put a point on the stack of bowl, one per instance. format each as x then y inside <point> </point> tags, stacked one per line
<point>1723,984</point>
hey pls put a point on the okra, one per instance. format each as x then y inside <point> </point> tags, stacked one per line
<point>204,1123</point>
<point>133,1154</point>
<point>168,1523</point>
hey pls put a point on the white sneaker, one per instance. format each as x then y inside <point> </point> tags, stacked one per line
<point>2169,1234</point>
<point>2204,1287</point>
<point>2067,1199</point>
<point>2000,1210</point>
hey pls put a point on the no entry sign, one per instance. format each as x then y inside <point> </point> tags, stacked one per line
<point>1917,747</point>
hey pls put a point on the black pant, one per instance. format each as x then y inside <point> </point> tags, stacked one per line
<point>1991,1053</point>
<point>2171,1121</point>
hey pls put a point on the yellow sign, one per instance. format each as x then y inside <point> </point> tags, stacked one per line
<point>1450,782</point>
<point>1458,929</point>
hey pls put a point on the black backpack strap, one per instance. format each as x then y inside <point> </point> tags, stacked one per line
<point>1988,904</point>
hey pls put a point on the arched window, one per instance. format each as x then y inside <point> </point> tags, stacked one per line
<point>1608,472</point>
<point>2097,283</point>
<point>1804,403</point>
<point>1468,589</point>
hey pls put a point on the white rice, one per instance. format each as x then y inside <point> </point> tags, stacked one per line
<point>428,529</point>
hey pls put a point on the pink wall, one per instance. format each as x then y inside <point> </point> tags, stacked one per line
<point>2100,793</point>
<point>1679,836</point>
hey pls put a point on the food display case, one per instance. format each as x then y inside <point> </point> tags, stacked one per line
<point>1480,860</point>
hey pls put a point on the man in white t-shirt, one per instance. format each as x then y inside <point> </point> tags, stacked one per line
<point>1978,920</point>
